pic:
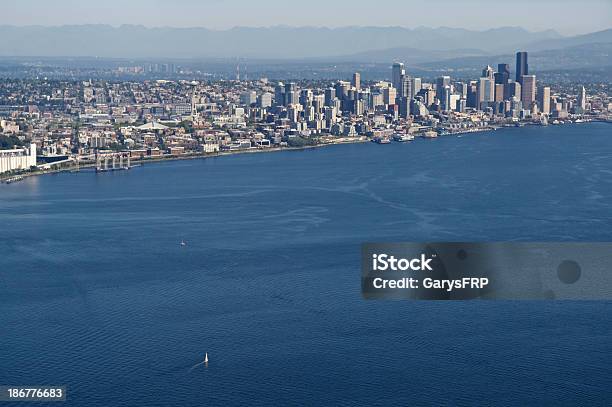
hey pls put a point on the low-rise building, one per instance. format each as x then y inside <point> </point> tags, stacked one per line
<point>18,159</point>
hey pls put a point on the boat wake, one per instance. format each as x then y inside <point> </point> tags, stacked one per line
<point>198,364</point>
<point>204,362</point>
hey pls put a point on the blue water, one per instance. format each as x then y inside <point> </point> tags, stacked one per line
<point>97,294</point>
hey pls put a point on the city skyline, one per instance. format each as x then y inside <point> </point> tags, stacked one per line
<point>124,121</point>
<point>565,17</point>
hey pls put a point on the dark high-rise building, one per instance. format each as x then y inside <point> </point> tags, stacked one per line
<point>279,94</point>
<point>472,95</point>
<point>522,67</point>
<point>306,97</point>
<point>513,89</point>
<point>342,89</point>
<point>404,107</point>
<point>502,76</point>
<point>330,95</point>
<point>445,97</point>
<point>292,95</point>
<point>441,82</point>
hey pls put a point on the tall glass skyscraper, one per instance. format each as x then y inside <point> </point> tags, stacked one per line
<point>528,90</point>
<point>502,76</point>
<point>522,67</point>
<point>397,71</point>
<point>441,82</point>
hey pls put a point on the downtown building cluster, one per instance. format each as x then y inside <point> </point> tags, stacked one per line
<point>77,120</point>
<point>409,104</point>
<point>498,94</point>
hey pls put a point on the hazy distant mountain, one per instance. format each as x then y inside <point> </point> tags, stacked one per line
<point>596,37</point>
<point>410,56</point>
<point>131,41</point>
<point>584,56</point>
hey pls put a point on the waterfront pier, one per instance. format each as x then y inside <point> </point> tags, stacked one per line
<point>113,161</point>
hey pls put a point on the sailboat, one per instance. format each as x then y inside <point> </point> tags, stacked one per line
<point>204,362</point>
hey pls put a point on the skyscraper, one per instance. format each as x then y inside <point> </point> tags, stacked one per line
<point>522,67</point>
<point>502,76</point>
<point>528,90</point>
<point>582,98</point>
<point>342,89</point>
<point>264,100</point>
<point>404,90</point>
<point>499,92</point>
<point>486,87</point>
<point>397,71</point>
<point>389,96</point>
<point>330,95</point>
<point>356,82</point>
<point>461,88</point>
<point>290,87</point>
<point>248,98</point>
<point>415,86</point>
<point>512,89</point>
<point>445,97</point>
<point>279,94</point>
<point>544,99</point>
<point>306,97</point>
<point>441,82</point>
<point>472,95</point>
<point>292,95</point>
<point>486,90</point>
<point>404,107</point>
<point>488,72</point>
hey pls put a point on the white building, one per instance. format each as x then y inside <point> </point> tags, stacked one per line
<point>211,147</point>
<point>18,159</point>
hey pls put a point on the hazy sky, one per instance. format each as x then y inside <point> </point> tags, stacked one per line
<point>565,16</point>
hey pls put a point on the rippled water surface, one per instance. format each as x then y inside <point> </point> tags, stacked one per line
<point>97,294</point>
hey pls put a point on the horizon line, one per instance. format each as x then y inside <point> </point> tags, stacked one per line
<point>339,27</point>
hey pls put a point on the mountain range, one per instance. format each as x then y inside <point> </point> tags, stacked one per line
<point>428,48</point>
<point>135,41</point>
<point>584,56</point>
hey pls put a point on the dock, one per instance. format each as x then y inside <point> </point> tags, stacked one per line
<point>113,162</point>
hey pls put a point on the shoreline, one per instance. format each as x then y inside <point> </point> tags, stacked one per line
<point>196,156</point>
<point>345,140</point>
